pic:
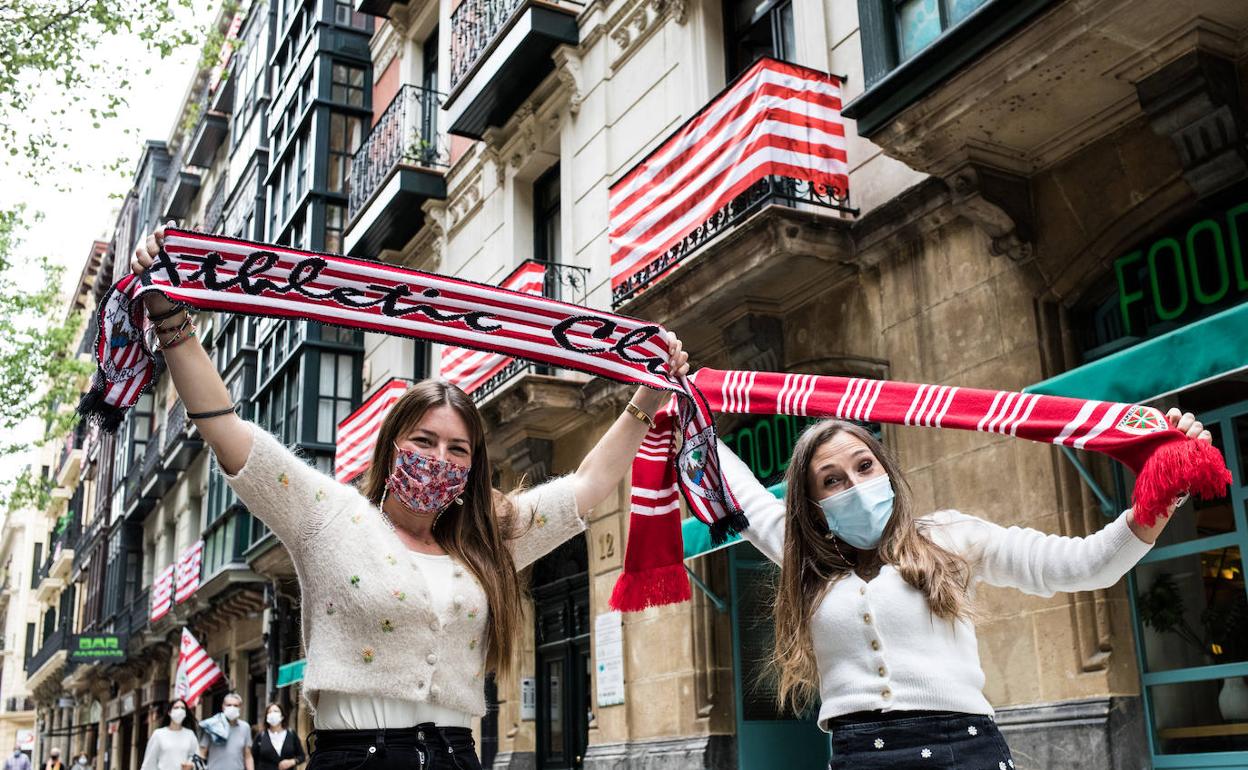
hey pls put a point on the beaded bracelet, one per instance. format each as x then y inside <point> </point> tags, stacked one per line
<point>178,339</point>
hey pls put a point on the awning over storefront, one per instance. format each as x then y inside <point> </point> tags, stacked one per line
<point>697,536</point>
<point>1200,351</point>
<point>290,673</point>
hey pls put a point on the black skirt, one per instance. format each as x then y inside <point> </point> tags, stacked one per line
<point>940,741</point>
<point>423,747</point>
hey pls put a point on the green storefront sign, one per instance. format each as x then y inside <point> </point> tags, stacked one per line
<point>766,444</point>
<point>1186,272</point>
<point>96,648</point>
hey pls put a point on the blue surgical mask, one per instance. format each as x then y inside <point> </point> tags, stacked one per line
<point>858,515</point>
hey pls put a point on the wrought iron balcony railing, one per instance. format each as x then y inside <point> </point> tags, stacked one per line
<point>55,642</point>
<point>474,25</point>
<point>175,424</point>
<point>151,455</point>
<point>773,189</point>
<point>214,214</point>
<point>138,613</point>
<point>406,133</point>
<point>568,283</point>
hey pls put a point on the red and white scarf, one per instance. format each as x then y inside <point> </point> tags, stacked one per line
<point>214,273</point>
<point>1165,461</point>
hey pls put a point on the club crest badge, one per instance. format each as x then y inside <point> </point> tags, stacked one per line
<point>1142,420</point>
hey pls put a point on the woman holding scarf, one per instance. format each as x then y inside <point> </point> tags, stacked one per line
<point>409,585</point>
<point>873,614</point>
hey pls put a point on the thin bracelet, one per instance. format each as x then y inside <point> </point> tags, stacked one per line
<point>217,413</point>
<point>178,339</point>
<point>636,411</point>
<point>168,314</point>
<point>185,320</point>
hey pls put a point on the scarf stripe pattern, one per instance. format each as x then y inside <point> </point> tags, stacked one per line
<point>1165,461</point>
<point>213,273</point>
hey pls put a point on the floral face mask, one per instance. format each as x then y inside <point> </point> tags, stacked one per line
<point>426,484</point>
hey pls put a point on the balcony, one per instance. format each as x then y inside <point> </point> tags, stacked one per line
<point>179,449</point>
<point>137,615</point>
<point>69,466</point>
<point>399,165</point>
<point>137,503</point>
<point>182,191</point>
<point>49,587</point>
<point>49,660</point>
<point>500,51</point>
<point>61,563</point>
<point>214,214</point>
<point>15,705</point>
<point>211,130</point>
<point>156,479</point>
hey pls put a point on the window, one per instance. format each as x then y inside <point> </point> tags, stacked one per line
<point>346,16</point>
<point>336,395</point>
<point>919,22</point>
<point>546,224</point>
<point>345,134</point>
<point>347,85</point>
<point>335,223</point>
<point>756,29</point>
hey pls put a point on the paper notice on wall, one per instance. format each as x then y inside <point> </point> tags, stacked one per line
<point>528,699</point>
<point>609,658</point>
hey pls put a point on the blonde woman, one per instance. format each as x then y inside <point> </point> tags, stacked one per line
<point>409,591</point>
<point>873,615</point>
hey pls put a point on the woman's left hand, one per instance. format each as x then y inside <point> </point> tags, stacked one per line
<point>650,400</point>
<point>285,764</point>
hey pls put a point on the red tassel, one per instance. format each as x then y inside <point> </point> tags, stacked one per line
<point>651,588</point>
<point>1176,468</point>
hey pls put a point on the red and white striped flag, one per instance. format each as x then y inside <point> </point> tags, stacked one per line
<point>196,671</point>
<point>189,566</point>
<point>470,369</point>
<point>162,593</point>
<point>776,119</point>
<point>357,433</point>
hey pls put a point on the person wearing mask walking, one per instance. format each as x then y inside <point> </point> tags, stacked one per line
<point>277,747</point>
<point>19,760</point>
<point>54,760</point>
<point>173,744</point>
<point>226,739</point>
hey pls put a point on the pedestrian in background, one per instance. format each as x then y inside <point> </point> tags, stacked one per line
<point>173,744</point>
<point>277,747</point>
<point>19,760</point>
<point>225,739</point>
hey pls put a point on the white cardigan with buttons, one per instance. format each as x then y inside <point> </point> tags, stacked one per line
<point>368,622</point>
<point>877,644</point>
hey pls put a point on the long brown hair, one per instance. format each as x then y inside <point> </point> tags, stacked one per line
<point>474,533</point>
<point>814,561</point>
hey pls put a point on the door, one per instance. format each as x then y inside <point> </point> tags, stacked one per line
<point>561,604</point>
<point>766,737</point>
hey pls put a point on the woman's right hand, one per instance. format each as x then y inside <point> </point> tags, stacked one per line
<point>143,258</point>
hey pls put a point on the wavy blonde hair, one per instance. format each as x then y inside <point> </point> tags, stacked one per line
<point>813,562</point>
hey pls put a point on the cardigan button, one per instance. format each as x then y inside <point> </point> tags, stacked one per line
<point>875,644</point>
<point>863,590</point>
<point>866,618</point>
<point>435,691</point>
<point>881,670</point>
<point>886,693</point>
<point>431,658</point>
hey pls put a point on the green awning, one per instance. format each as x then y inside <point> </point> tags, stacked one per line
<point>290,673</point>
<point>1203,350</point>
<point>697,536</point>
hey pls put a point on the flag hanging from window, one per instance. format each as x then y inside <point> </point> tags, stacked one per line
<point>196,671</point>
<point>775,120</point>
<point>189,566</point>
<point>162,593</point>
<point>357,433</point>
<point>470,369</point>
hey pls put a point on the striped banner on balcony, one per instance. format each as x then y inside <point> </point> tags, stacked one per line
<point>775,119</point>
<point>162,593</point>
<point>190,564</point>
<point>357,433</point>
<point>470,369</point>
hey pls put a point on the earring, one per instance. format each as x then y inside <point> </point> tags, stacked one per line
<point>459,500</point>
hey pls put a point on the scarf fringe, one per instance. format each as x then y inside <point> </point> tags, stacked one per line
<point>93,408</point>
<point>731,524</point>
<point>1174,469</point>
<point>655,587</point>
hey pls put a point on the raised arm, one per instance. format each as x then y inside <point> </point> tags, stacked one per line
<point>605,464</point>
<point>194,375</point>
<point>765,512</point>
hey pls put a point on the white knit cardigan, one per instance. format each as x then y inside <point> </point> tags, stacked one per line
<point>368,622</point>
<point>878,646</point>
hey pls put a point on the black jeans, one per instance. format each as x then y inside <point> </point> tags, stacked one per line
<point>423,747</point>
<point>934,741</point>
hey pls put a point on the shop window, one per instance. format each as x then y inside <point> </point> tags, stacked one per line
<point>1191,609</point>
<point>757,28</point>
